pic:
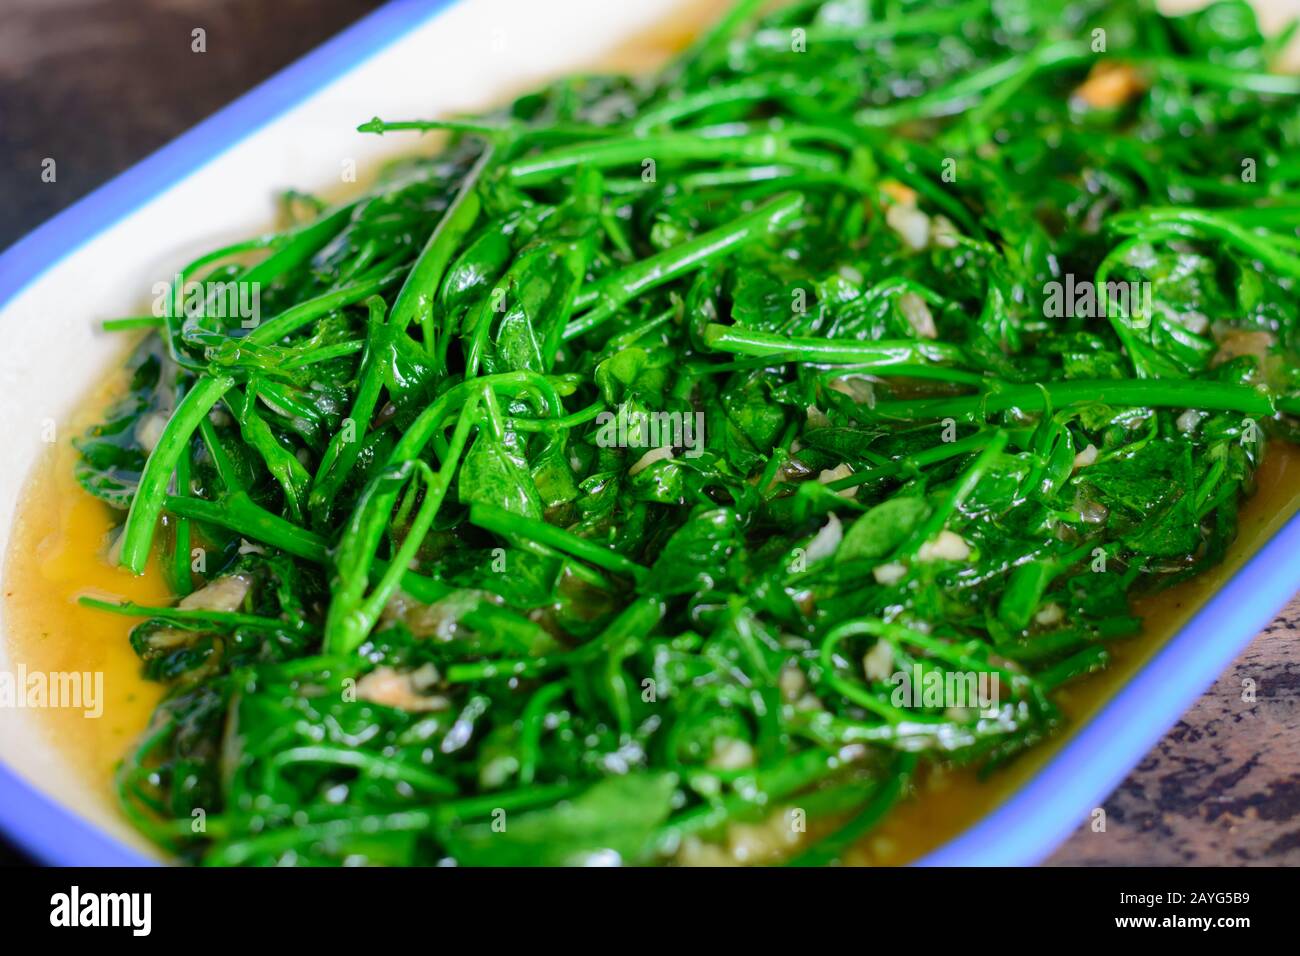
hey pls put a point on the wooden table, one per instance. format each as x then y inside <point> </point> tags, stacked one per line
<point>1223,786</point>
<point>97,85</point>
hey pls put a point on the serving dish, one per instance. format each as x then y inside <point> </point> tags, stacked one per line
<point>134,231</point>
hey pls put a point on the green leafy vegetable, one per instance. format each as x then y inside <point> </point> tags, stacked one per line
<point>674,456</point>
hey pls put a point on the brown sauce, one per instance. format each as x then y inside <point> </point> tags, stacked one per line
<point>58,553</point>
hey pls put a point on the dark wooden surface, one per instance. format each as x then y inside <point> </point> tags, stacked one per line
<point>1223,786</point>
<point>99,84</point>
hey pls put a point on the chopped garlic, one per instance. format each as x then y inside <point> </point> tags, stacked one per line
<point>943,233</point>
<point>1188,421</point>
<point>763,842</point>
<point>425,677</point>
<point>826,540</point>
<point>945,546</point>
<point>649,458</point>
<point>224,594</point>
<point>1236,342</point>
<point>890,573</point>
<point>393,688</point>
<point>842,470</point>
<point>912,226</point>
<point>439,620</point>
<point>878,663</point>
<point>851,753</point>
<point>1086,457</point>
<point>731,753</point>
<point>168,638</point>
<point>1049,614</point>
<point>792,683</point>
<point>918,315</point>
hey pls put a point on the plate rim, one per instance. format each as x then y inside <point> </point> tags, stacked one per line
<point>1023,829</point>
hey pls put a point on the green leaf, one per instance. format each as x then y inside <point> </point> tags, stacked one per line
<point>1024,593</point>
<point>698,555</point>
<point>492,475</point>
<point>612,822</point>
<point>882,529</point>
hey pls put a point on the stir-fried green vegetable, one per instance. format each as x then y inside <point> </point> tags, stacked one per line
<point>625,477</point>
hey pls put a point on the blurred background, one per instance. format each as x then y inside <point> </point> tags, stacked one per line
<point>100,84</point>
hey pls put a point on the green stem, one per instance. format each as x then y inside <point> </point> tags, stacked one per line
<point>612,293</point>
<point>147,504</point>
